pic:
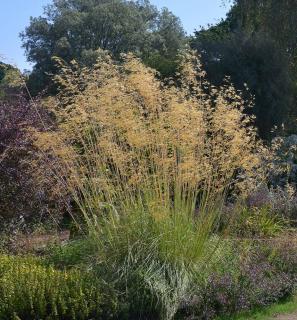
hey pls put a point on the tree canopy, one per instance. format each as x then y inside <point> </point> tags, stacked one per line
<point>76,29</point>
<point>256,46</point>
<point>275,18</point>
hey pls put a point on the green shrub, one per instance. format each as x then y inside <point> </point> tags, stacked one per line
<point>258,222</point>
<point>263,274</point>
<point>31,290</point>
<point>283,254</point>
<point>76,252</point>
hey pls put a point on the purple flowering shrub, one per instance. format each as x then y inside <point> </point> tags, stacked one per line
<point>281,200</point>
<point>23,198</point>
<point>265,213</point>
<point>284,255</point>
<point>265,284</point>
<point>262,276</point>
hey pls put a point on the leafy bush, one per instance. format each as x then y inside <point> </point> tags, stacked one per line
<point>284,254</point>
<point>11,81</point>
<point>31,290</point>
<point>275,207</point>
<point>29,190</point>
<point>257,222</point>
<point>74,253</point>
<point>259,278</point>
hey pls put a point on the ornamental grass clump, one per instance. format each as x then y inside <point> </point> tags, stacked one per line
<point>149,165</point>
<point>126,137</point>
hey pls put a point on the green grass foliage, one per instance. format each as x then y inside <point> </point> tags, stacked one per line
<point>30,290</point>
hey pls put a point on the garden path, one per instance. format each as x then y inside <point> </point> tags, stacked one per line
<point>292,316</point>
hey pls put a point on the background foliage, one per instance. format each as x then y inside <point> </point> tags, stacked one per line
<point>75,29</point>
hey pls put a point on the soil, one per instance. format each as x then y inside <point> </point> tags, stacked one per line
<point>30,243</point>
<point>292,316</point>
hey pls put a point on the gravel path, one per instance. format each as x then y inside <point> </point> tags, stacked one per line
<point>292,316</point>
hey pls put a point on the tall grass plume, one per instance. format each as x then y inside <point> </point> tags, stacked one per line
<point>148,164</point>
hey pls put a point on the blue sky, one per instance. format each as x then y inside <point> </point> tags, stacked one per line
<point>15,15</point>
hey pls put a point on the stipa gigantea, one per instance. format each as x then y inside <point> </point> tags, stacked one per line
<point>148,166</point>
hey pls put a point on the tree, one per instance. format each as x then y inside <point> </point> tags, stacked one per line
<point>11,81</point>
<point>256,44</point>
<point>254,63</point>
<point>277,19</point>
<point>76,29</point>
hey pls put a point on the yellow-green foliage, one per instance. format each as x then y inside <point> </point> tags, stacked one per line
<point>31,290</point>
<point>11,80</point>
